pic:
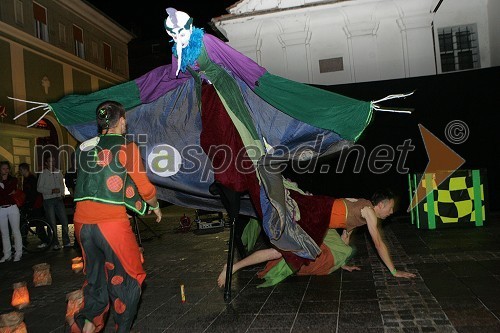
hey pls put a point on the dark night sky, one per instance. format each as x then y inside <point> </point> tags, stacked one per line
<point>145,18</point>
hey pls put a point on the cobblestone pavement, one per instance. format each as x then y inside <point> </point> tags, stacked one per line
<point>457,288</point>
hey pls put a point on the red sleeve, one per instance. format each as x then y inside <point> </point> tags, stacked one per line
<point>130,158</point>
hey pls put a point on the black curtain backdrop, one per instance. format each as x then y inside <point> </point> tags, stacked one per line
<point>472,97</point>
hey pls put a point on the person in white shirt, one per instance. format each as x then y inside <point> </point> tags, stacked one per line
<point>9,214</point>
<point>51,185</point>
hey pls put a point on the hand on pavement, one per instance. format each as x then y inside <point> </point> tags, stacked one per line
<point>403,274</point>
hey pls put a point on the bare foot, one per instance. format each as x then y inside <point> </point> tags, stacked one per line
<point>221,280</point>
<point>89,327</point>
<point>351,268</point>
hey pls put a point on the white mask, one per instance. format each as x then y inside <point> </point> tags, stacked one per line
<point>179,26</point>
<point>182,37</point>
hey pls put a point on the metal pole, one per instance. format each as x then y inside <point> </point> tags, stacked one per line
<point>230,260</point>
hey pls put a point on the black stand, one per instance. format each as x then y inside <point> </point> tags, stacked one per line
<point>231,202</point>
<point>230,260</point>
<point>135,220</point>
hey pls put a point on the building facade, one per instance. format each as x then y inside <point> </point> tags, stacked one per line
<point>49,49</point>
<point>332,42</point>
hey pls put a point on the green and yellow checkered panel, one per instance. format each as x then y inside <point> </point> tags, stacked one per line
<point>454,201</point>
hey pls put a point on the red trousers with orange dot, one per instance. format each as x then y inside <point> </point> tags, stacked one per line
<point>113,275</point>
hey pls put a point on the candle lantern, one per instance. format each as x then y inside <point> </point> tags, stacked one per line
<point>77,264</point>
<point>12,322</point>
<point>75,303</point>
<point>41,275</point>
<point>20,295</point>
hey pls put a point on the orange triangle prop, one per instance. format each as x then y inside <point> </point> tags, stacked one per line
<point>443,161</point>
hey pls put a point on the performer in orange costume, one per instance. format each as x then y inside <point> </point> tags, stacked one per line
<point>111,179</point>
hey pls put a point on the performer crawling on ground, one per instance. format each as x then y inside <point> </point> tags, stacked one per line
<point>347,214</point>
<point>335,253</point>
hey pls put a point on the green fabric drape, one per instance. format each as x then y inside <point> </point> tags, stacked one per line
<point>345,116</point>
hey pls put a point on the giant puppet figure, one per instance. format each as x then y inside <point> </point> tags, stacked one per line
<point>215,116</point>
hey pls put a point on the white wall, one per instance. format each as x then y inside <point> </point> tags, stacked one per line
<point>377,39</point>
<point>329,41</point>
<point>462,12</point>
<point>493,9</point>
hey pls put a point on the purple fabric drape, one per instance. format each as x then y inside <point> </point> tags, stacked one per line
<point>157,82</point>
<point>239,64</point>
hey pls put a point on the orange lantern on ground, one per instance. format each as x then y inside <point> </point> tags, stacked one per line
<point>77,264</point>
<point>12,322</point>
<point>20,295</point>
<point>41,275</point>
<point>75,303</point>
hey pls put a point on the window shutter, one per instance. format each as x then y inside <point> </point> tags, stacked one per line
<point>77,34</point>
<point>39,13</point>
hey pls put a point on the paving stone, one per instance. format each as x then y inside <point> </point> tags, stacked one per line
<point>449,265</point>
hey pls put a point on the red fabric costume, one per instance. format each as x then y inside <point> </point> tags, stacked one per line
<point>112,259</point>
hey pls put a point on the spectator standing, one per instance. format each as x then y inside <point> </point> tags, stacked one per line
<point>34,200</point>
<point>51,185</point>
<point>9,214</point>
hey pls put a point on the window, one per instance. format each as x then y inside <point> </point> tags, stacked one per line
<point>62,33</point>
<point>19,12</point>
<point>40,15</point>
<point>78,37</point>
<point>458,48</point>
<point>107,56</point>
